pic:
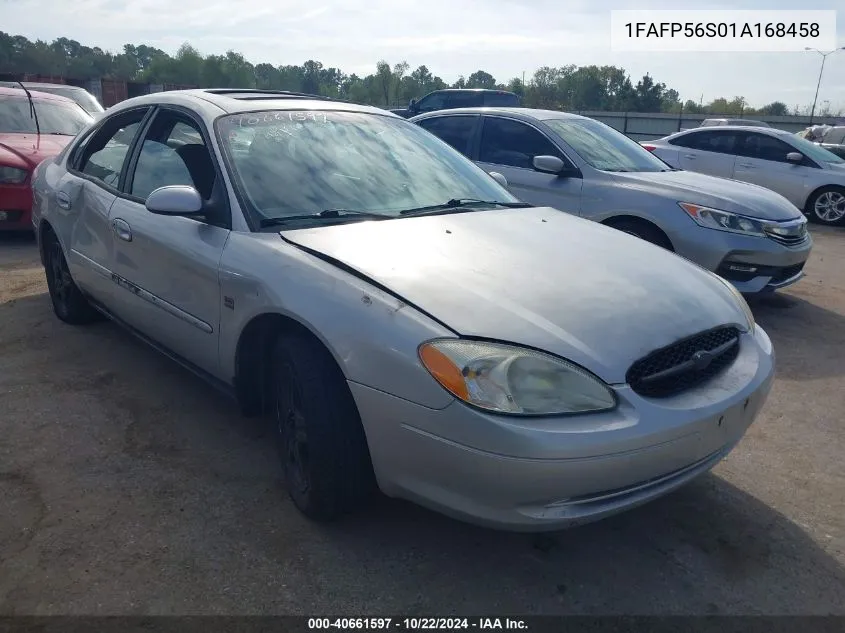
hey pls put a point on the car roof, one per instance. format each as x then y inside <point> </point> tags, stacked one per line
<point>232,101</point>
<point>729,118</point>
<point>47,84</point>
<point>474,90</point>
<point>37,96</point>
<point>526,114</point>
<point>727,128</point>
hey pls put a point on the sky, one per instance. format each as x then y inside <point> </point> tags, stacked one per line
<point>451,37</point>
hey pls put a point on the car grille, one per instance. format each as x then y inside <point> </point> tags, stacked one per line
<point>10,216</point>
<point>684,364</point>
<point>788,235</point>
<point>786,273</point>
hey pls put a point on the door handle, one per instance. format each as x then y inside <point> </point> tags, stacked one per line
<point>690,156</point>
<point>746,165</point>
<point>63,200</point>
<point>122,229</point>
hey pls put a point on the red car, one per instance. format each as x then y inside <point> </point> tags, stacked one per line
<point>23,145</point>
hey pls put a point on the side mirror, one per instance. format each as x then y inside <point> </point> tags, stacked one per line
<point>412,105</point>
<point>175,200</point>
<point>548,164</point>
<point>794,157</point>
<point>499,178</point>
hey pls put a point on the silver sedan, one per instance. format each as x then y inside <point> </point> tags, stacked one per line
<point>399,318</point>
<point>809,176</point>
<point>751,236</point>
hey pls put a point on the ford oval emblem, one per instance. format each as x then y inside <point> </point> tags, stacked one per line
<point>702,359</point>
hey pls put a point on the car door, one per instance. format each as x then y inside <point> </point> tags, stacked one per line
<point>167,266</point>
<point>95,171</point>
<point>458,130</point>
<point>509,146</point>
<point>711,152</point>
<point>762,161</point>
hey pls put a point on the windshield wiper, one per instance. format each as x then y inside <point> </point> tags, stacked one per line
<point>463,203</point>
<point>326,214</point>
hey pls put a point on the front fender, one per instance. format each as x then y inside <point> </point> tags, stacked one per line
<point>372,334</point>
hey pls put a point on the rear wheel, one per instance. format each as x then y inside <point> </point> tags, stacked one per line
<point>319,435</point>
<point>69,304</point>
<point>827,206</point>
<point>643,230</point>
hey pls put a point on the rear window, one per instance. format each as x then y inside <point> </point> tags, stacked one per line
<point>54,117</point>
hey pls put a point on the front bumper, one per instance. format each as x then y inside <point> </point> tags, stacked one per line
<point>752,264</point>
<point>539,474</point>
<point>15,208</point>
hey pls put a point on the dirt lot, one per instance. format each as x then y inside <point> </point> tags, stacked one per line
<point>128,486</point>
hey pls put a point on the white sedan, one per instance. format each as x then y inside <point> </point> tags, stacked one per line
<point>809,176</point>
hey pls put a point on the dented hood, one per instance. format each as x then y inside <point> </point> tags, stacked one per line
<point>536,277</point>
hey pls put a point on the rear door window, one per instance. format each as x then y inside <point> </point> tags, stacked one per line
<point>455,130</point>
<point>102,157</point>
<point>722,142</point>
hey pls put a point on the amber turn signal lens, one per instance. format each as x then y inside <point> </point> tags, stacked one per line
<point>444,371</point>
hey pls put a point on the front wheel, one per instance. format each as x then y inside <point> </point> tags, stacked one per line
<point>320,438</point>
<point>69,304</point>
<point>643,230</point>
<point>827,206</point>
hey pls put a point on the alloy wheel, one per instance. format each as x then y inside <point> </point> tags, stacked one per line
<point>830,206</point>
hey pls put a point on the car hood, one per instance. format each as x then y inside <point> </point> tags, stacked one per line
<point>31,148</point>
<point>535,277</point>
<point>718,193</point>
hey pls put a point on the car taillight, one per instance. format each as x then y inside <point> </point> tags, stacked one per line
<point>650,148</point>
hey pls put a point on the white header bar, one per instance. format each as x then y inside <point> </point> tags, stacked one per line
<point>722,31</point>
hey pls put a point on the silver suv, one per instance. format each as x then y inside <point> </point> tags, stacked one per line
<point>749,235</point>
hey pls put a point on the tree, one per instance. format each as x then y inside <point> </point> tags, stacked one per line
<point>481,79</point>
<point>648,95</point>
<point>607,88</point>
<point>384,78</point>
<point>775,108</point>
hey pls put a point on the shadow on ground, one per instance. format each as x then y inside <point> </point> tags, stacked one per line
<point>809,339</point>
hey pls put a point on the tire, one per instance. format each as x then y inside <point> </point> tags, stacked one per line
<point>69,304</point>
<point>319,435</point>
<point>827,206</point>
<point>643,230</point>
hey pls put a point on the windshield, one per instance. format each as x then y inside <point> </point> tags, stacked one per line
<point>54,117</point>
<point>817,153</point>
<point>289,163</point>
<point>82,97</point>
<point>603,147</point>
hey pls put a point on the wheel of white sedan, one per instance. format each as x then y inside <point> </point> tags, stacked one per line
<point>827,206</point>
<point>319,435</point>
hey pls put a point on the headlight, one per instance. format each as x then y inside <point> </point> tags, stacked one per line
<point>510,379</point>
<point>749,315</point>
<point>723,220</point>
<point>12,175</point>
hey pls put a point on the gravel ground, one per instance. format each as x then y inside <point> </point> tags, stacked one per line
<point>128,486</point>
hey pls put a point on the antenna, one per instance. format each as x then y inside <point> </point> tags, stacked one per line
<point>32,111</point>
